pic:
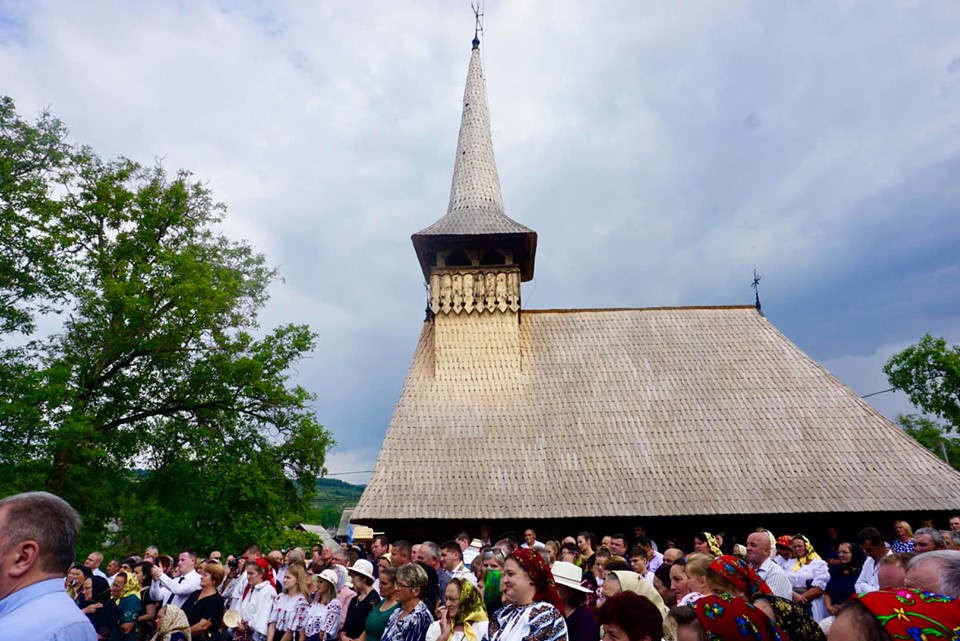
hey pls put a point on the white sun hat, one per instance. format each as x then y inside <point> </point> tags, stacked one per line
<point>569,575</point>
<point>364,568</point>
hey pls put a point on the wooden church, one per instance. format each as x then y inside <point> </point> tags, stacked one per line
<point>682,419</point>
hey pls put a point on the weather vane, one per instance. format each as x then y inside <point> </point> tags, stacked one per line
<point>756,288</point>
<point>478,27</point>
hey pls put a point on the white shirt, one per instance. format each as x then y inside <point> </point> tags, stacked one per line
<point>100,573</point>
<point>159,593</point>
<point>181,588</point>
<point>255,608</point>
<point>480,627</point>
<point>815,574</point>
<point>536,545</point>
<point>655,562</point>
<point>775,577</point>
<point>461,572</point>
<point>235,590</point>
<point>469,555</point>
<point>869,581</point>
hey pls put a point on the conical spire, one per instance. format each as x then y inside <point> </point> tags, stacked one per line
<point>475,185</point>
<point>476,202</point>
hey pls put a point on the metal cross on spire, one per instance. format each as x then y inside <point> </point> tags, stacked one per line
<point>478,26</point>
<point>756,289</point>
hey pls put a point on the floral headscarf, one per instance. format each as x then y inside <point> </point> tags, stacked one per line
<point>470,608</point>
<point>740,574</point>
<point>809,554</point>
<point>539,572</point>
<point>729,618</point>
<point>912,614</point>
<point>785,541</point>
<point>712,542</point>
<point>174,620</point>
<point>132,586</point>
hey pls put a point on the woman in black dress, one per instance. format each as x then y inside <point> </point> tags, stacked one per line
<point>204,608</point>
<point>99,607</point>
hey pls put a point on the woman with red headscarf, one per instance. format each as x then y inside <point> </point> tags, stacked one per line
<point>724,618</point>
<point>533,610</point>
<point>256,601</point>
<point>897,614</point>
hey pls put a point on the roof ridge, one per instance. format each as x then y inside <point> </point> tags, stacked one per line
<point>636,309</point>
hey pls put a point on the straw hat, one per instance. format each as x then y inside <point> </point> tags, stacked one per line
<point>329,576</point>
<point>231,618</point>
<point>363,568</point>
<point>568,575</point>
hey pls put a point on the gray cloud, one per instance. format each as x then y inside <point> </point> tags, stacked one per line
<point>661,151</point>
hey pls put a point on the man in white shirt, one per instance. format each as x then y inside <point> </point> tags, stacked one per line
<point>654,558</point>
<point>234,590</point>
<point>451,558</point>
<point>871,541</point>
<point>93,561</point>
<point>758,556</point>
<point>638,562</point>
<point>530,540</point>
<point>187,584</point>
<point>113,569</point>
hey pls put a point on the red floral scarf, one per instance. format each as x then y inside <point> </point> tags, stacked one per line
<point>729,618</point>
<point>741,574</point>
<point>912,614</point>
<point>534,565</point>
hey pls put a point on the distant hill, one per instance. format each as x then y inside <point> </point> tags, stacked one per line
<point>332,496</point>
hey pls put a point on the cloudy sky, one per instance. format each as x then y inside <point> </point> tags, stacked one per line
<point>661,150</point>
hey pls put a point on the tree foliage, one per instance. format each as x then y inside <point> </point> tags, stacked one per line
<point>929,373</point>
<point>932,435</point>
<point>159,403</point>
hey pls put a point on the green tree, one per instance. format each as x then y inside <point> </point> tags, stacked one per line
<point>160,404</point>
<point>929,373</point>
<point>932,435</point>
<point>33,159</point>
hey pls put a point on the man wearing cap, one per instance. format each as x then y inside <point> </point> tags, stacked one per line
<point>582,624</point>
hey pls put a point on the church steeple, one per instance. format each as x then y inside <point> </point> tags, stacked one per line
<point>475,234</point>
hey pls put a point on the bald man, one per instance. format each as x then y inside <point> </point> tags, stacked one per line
<point>758,556</point>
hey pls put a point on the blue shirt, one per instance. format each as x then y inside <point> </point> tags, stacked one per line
<point>44,612</point>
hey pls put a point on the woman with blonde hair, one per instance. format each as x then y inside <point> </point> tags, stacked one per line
<point>904,541</point>
<point>290,606</point>
<point>412,619</point>
<point>697,565</point>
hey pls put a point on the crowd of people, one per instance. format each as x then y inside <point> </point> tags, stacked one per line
<point>512,588</point>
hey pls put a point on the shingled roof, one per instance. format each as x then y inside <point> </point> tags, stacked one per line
<point>634,412</point>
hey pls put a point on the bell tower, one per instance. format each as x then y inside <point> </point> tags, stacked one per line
<point>475,257</point>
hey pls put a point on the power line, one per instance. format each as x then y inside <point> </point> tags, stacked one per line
<point>345,473</point>
<point>892,389</point>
